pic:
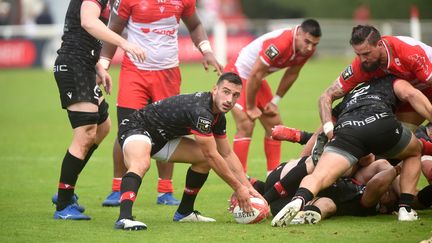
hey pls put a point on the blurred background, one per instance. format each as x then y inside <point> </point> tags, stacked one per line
<point>30,30</point>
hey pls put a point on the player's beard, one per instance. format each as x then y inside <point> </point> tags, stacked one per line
<point>370,67</point>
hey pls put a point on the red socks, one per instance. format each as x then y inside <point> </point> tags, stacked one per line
<point>165,186</point>
<point>116,182</point>
<point>241,149</point>
<point>272,150</point>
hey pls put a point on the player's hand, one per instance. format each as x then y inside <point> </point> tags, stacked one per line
<point>255,193</point>
<point>253,113</point>
<point>136,51</point>
<point>210,59</point>
<point>243,198</point>
<point>104,78</point>
<point>271,109</point>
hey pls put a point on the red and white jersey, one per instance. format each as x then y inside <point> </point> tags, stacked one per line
<point>153,24</point>
<point>408,59</point>
<point>275,49</point>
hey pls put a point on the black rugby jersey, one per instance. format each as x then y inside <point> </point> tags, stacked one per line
<point>373,97</point>
<point>178,116</point>
<point>76,41</point>
<point>346,193</point>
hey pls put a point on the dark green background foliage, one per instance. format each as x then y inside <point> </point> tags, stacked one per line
<point>382,9</point>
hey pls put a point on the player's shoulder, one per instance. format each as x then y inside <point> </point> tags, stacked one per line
<point>277,44</point>
<point>200,102</point>
<point>352,70</point>
<point>404,45</point>
<point>283,38</point>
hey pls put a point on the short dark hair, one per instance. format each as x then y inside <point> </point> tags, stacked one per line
<point>230,77</point>
<point>312,27</point>
<point>361,33</point>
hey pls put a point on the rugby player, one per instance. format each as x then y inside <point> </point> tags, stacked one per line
<point>287,49</point>
<point>75,71</point>
<point>154,26</point>
<point>159,130</point>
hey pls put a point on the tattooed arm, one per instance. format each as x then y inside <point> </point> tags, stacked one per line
<point>332,93</point>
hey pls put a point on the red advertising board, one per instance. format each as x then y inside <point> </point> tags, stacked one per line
<point>22,53</point>
<point>17,53</point>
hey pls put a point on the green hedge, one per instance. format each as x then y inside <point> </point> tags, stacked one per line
<point>380,9</point>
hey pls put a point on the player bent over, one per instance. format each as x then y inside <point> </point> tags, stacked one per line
<point>366,124</point>
<point>158,131</point>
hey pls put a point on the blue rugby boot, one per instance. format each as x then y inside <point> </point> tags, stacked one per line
<point>74,201</point>
<point>112,200</point>
<point>167,199</point>
<point>70,212</point>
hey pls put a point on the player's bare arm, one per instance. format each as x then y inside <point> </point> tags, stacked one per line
<point>90,21</point>
<point>288,79</point>
<point>377,186</point>
<point>209,149</point>
<point>407,93</point>
<point>200,39</point>
<point>116,24</point>
<point>331,94</point>
<point>233,162</point>
<point>259,71</point>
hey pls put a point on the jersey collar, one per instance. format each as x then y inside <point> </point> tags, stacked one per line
<point>389,51</point>
<point>293,42</point>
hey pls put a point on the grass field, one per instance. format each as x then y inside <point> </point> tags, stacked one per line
<point>35,134</point>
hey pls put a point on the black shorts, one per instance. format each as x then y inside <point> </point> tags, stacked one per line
<point>131,125</point>
<point>76,81</point>
<point>123,113</point>
<point>385,137</point>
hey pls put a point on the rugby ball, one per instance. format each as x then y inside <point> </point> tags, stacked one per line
<point>260,211</point>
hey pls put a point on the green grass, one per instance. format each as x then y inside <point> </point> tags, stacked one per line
<point>35,133</point>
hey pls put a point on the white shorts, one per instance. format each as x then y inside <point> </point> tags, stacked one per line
<point>164,154</point>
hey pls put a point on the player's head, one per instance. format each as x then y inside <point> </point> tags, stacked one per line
<point>308,37</point>
<point>226,92</point>
<point>312,27</point>
<point>362,33</point>
<point>365,40</point>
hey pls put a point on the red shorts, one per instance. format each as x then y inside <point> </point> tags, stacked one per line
<point>138,88</point>
<point>406,107</point>
<point>263,96</point>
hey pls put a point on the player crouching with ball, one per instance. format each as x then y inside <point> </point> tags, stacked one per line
<point>158,131</point>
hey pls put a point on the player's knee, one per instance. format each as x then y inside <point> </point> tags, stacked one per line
<point>203,167</point>
<point>245,129</point>
<point>139,167</point>
<point>89,135</point>
<point>103,129</point>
